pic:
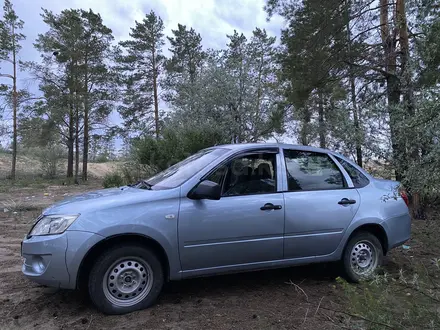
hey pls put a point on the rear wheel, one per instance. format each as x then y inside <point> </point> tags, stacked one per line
<point>362,257</point>
<point>124,279</point>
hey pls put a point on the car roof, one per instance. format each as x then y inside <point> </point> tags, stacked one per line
<point>246,146</point>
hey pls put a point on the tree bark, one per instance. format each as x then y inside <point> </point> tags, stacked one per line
<point>86,121</point>
<point>352,78</point>
<point>304,133</point>
<point>155,95</point>
<point>14,107</point>
<point>321,122</point>
<point>412,142</point>
<point>389,42</point>
<point>76,142</point>
<point>70,157</point>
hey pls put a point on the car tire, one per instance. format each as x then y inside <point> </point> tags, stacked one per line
<point>362,257</point>
<point>124,279</point>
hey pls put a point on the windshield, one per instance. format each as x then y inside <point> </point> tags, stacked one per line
<point>177,174</point>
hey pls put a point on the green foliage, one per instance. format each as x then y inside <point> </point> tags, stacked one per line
<point>112,180</point>
<point>176,144</point>
<point>140,66</point>
<point>75,77</point>
<point>49,158</point>
<point>128,173</point>
<point>10,36</point>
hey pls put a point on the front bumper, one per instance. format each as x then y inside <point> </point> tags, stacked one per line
<point>54,260</point>
<point>44,260</point>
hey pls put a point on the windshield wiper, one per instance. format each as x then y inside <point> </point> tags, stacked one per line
<point>141,184</point>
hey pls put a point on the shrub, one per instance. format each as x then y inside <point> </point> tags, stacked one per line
<point>113,179</point>
<point>175,144</point>
<point>128,173</point>
<point>49,158</point>
<point>102,158</point>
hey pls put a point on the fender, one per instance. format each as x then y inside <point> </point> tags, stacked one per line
<point>351,228</point>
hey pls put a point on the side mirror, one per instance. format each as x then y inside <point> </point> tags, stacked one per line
<point>206,190</point>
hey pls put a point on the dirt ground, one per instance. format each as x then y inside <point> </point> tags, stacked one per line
<point>295,298</point>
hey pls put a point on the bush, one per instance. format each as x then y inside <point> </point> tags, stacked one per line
<point>102,158</point>
<point>175,144</point>
<point>49,158</point>
<point>128,173</point>
<point>114,179</point>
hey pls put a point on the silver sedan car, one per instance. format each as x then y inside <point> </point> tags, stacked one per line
<point>229,208</point>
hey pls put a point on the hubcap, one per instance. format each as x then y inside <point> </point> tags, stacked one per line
<point>363,259</point>
<point>128,281</point>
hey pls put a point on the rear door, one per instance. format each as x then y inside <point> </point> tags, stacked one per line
<point>320,203</point>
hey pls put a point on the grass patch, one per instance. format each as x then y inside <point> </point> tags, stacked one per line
<point>407,295</point>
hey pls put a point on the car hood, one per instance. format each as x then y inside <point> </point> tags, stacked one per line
<point>104,198</point>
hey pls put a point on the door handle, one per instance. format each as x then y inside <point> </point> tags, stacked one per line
<point>346,201</point>
<point>270,206</point>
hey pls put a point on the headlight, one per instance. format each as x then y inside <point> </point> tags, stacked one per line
<point>52,224</point>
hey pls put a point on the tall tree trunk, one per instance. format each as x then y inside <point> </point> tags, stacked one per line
<point>14,107</point>
<point>70,157</point>
<point>321,121</point>
<point>76,140</point>
<point>86,121</point>
<point>412,143</point>
<point>156,98</point>
<point>70,143</point>
<point>389,41</point>
<point>352,78</point>
<point>356,121</point>
<point>304,131</point>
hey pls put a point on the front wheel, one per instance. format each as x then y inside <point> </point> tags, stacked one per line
<point>362,257</point>
<point>124,279</point>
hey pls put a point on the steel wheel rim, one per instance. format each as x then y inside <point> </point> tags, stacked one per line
<point>363,258</point>
<point>127,281</point>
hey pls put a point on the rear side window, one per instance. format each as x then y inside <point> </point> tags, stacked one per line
<point>311,171</point>
<point>358,178</point>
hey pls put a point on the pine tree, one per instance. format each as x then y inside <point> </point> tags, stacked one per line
<point>75,78</point>
<point>141,67</point>
<point>183,68</point>
<point>10,38</point>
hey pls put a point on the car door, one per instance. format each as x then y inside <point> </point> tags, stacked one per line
<point>319,204</point>
<point>245,226</point>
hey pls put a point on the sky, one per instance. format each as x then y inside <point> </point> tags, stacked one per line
<point>213,19</point>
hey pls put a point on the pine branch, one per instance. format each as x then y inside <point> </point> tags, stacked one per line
<point>5,75</point>
<point>386,74</point>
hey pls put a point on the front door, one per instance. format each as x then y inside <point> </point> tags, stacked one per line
<point>245,226</point>
<point>319,205</point>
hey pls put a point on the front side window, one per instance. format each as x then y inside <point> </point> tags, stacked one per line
<point>358,178</point>
<point>247,175</point>
<point>311,171</point>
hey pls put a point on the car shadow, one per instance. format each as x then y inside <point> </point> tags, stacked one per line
<point>204,287</point>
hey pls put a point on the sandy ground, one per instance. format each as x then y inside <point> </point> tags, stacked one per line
<point>295,298</point>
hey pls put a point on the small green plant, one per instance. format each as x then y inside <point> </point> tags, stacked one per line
<point>113,179</point>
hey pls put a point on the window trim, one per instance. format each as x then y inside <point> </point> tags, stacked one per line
<point>339,159</point>
<point>348,184</point>
<point>243,153</point>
